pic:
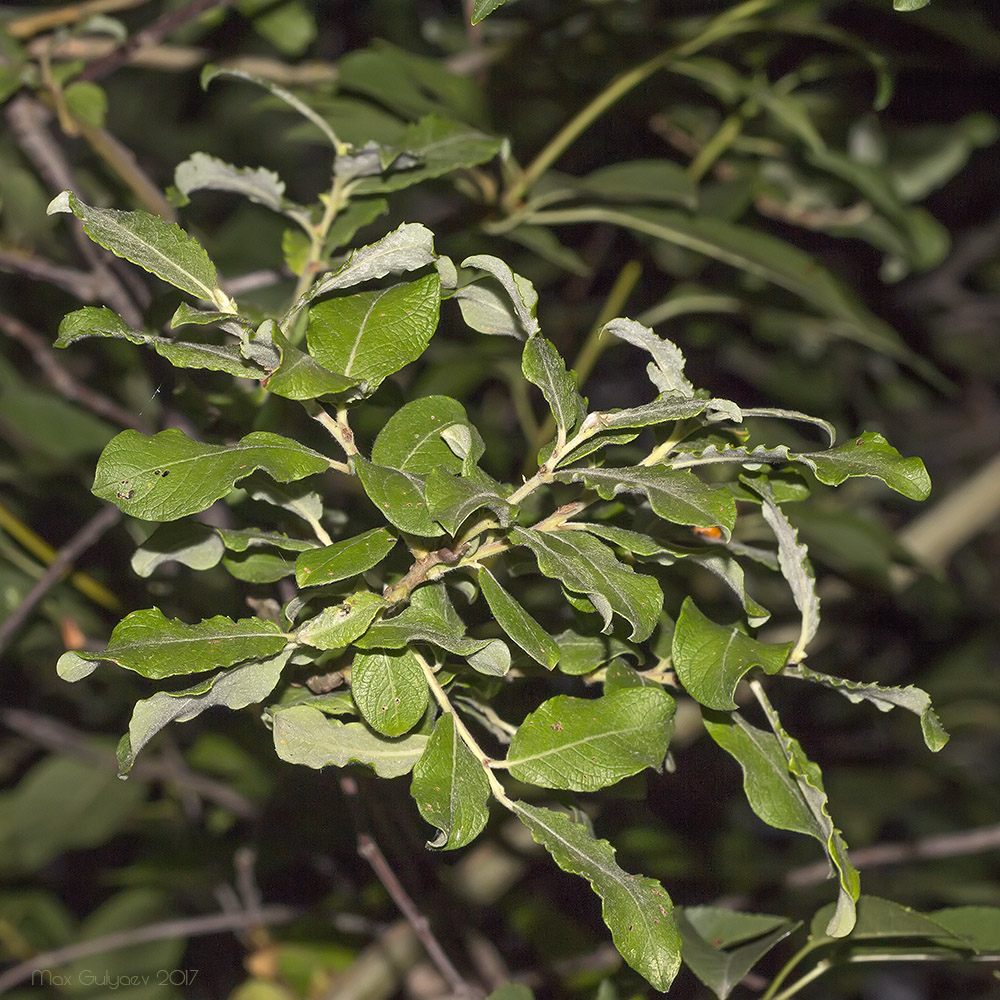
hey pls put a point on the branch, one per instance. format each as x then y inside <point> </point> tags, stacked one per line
<point>101,522</point>
<point>61,380</point>
<point>33,24</point>
<point>947,845</point>
<point>185,927</point>
<point>370,851</point>
<point>80,284</point>
<point>152,34</point>
<point>27,118</point>
<point>60,738</point>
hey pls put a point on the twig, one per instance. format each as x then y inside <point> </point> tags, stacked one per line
<point>61,738</point>
<point>370,851</point>
<point>80,284</point>
<point>152,34</point>
<point>76,546</point>
<point>60,379</point>
<point>27,119</point>
<point>946,845</point>
<point>934,537</point>
<point>185,927</point>
<point>32,24</point>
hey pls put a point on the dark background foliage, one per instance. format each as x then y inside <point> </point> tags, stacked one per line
<point>213,810</point>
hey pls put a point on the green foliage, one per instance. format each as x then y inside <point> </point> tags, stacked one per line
<point>439,535</point>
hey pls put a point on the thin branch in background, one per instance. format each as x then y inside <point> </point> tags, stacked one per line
<point>101,522</point>
<point>71,13</point>
<point>79,284</point>
<point>152,34</point>
<point>28,118</point>
<point>61,380</point>
<point>61,738</point>
<point>946,845</point>
<point>370,851</point>
<point>167,930</point>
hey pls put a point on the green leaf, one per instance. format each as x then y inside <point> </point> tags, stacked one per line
<point>409,84</point>
<point>157,246</point>
<point>979,925</point>
<point>883,919</point>
<point>870,455</point>
<point>668,407</point>
<point>785,789</point>
<point>582,654</point>
<point>642,181</point>
<point>370,335</point>
<point>258,567</point>
<point>675,495</point>
<point>414,437</point>
<point>358,214</point>
<point>520,291</point>
<point>637,909</point>
<point>543,366</point>
<point>450,788</point>
<point>909,5</point>
<point>793,560</point>
<point>763,256</point>
<point>421,622</point>
<point>298,376</point>
<point>338,626</point>
<point>188,542</point>
<point>451,499</point>
<point>63,804</point>
<point>587,566</point>
<point>486,310</point>
<point>343,559</point>
<point>517,623</point>
<point>399,497</point>
<point>243,685</point>
<point>706,932</point>
<point>510,991</point>
<point>201,172</point>
<point>408,247</point>
<point>439,146</point>
<point>712,659</point>
<point>166,476</point>
<point>583,744</point>
<point>304,735</point>
<point>99,321</point>
<point>480,9</point>
<point>86,102</point>
<point>155,646</point>
<point>666,370</point>
<point>390,690</point>
<point>913,699</point>
<point>210,72</point>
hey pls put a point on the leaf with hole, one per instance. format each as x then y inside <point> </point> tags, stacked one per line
<point>166,476</point>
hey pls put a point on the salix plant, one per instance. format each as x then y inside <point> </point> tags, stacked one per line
<point>401,640</point>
